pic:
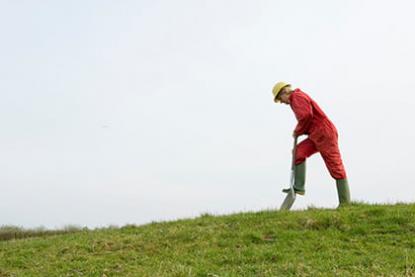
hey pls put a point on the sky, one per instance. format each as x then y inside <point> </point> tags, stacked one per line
<point>128,112</point>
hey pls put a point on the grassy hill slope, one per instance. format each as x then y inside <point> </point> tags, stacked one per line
<point>361,240</point>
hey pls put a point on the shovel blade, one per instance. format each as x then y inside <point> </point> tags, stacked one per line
<point>288,201</point>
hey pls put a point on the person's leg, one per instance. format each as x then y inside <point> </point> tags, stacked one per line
<point>305,149</point>
<point>332,158</point>
<point>343,191</point>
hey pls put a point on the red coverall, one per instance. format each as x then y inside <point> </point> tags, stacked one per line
<point>322,134</point>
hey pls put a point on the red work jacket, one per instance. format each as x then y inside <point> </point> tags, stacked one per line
<point>311,119</point>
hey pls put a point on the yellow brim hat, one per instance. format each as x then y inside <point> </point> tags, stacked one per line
<point>277,89</point>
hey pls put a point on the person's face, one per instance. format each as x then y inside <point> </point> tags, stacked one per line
<point>284,95</point>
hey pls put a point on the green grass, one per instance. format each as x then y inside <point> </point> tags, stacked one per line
<point>15,232</point>
<point>360,240</point>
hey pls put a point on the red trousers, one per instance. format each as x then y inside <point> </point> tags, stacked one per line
<point>324,142</point>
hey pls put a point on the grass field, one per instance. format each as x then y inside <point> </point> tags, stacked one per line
<point>360,240</point>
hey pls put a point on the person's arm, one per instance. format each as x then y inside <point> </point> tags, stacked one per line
<point>303,111</point>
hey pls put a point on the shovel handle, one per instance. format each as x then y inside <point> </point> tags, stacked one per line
<point>294,152</point>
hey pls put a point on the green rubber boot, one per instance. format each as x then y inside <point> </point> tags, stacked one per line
<point>343,192</point>
<point>299,179</point>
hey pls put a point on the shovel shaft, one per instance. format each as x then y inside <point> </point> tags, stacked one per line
<point>294,153</point>
<point>292,179</point>
<point>290,198</point>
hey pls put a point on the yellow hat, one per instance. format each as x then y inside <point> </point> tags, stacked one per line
<point>277,88</point>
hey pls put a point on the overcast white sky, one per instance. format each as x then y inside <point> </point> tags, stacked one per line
<point>116,112</point>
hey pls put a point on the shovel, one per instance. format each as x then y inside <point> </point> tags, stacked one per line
<point>290,198</point>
